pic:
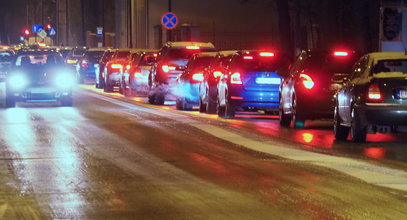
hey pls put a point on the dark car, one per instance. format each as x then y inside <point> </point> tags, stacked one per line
<point>6,57</point>
<point>100,67</point>
<point>85,67</point>
<point>38,76</point>
<point>73,56</point>
<point>64,51</point>
<point>307,92</point>
<point>251,82</point>
<point>187,90</point>
<point>208,88</point>
<point>374,98</point>
<point>113,69</point>
<point>136,72</point>
<point>172,58</point>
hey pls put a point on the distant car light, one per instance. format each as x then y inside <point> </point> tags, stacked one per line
<point>341,53</point>
<point>217,74</point>
<point>71,61</point>
<point>307,81</point>
<point>167,68</point>
<point>248,57</point>
<point>267,54</point>
<point>235,79</point>
<point>199,77</point>
<point>17,81</point>
<point>116,66</point>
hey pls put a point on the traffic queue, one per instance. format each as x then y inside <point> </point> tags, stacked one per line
<point>364,94</point>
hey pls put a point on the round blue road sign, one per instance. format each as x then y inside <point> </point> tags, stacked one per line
<point>169,20</point>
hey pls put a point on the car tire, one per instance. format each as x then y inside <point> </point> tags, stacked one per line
<point>230,109</point>
<point>159,99</point>
<point>67,101</point>
<point>357,130</point>
<point>297,120</point>
<point>151,98</point>
<point>202,106</point>
<point>210,106</point>
<point>340,132</point>
<point>220,109</point>
<point>10,102</point>
<point>285,119</point>
<point>108,87</point>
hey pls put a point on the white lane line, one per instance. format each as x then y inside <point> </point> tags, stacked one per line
<point>370,173</point>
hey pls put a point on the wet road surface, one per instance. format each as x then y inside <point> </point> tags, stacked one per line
<point>103,160</point>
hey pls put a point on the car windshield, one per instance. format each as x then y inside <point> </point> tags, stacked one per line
<point>183,53</point>
<point>393,65</point>
<point>93,55</point>
<point>202,62</point>
<point>254,62</point>
<point>332,64</point>
<point>28,60</point>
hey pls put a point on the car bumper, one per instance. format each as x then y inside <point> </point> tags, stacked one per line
<point>38,94</point>
<point>269,100</point>
<point>382,114</point>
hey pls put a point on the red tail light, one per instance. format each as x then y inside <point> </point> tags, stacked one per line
<point>71,61</point>
<point>128,66</point>
<point>267,54</point>
<point>198,77</point>
<point>84,63</point>
<point>217,74</point>
<point>374,93</point>
<point>116,66</point>
<point>167,68</point>
<point>248,57</point>
<point>341,53</point>
<point>192,47</point>
<point>235,79</point>
<point>307,81</point>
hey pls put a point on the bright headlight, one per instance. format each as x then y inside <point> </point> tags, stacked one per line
<point>17,81</point>
<point>64,80</point>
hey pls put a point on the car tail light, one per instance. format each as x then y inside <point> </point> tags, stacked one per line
<point>248,57</point>
<point>235,79</point>
<point>199,77</point>
<point>374,93</point>
<point>128,66</point>
<point>155,55</point>
<point>116,66</point>
<point>71,61</point>
<point>307,81</point>
<point>84,63</point>
<point>267,54</point>
<point>217,74</point>
<point>192,47</point>
<point>341,53</point>
<point>167,68</point>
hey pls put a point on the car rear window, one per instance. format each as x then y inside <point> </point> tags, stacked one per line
<point>26,60</point>
<point>202,61</point>
<point>255,62</point>
<point>78,52</point>
<point>183,53</point>
<point>391,65</point>
<point>330,64</point>
<point>93,55</point>
<point>122,54</point>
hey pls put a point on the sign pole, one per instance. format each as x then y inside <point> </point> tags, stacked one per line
<point>169,32</point>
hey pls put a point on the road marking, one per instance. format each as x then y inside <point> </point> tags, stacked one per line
<point>370,173</point>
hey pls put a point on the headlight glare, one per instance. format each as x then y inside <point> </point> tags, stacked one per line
<point>17,81</point>
<point>64,80</point>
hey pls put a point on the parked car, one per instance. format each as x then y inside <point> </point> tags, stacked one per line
<point>38,76</point>
<point>113,69</point>
<point>171,59</point>
<point>187,90</point>
<point>6,58</point>
<point>85,67</point>
<point>136,72</point>
<point>100,67</point>
<point>251,82</point>
<point>314,78</point>
<point>208,88</point>
<point>373,98</point>
<point>64,51</point>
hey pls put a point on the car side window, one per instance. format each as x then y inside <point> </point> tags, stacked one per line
<point>298,64</point>
<point>359,67</point>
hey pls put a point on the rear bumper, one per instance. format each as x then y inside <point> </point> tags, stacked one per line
<point>382,114</point>
<point>269,100</point>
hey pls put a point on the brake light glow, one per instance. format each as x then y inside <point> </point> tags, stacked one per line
<point>84,63</point>
<point>155,55</point>
<point>374,93</point>
<point>248,57</point>
<point>71,61</point>
<point>167,68</point>
<point>128,66</point>
<point>192,47</point>
<point>42,44</point>
<point>116,66</point>
<point>198,77</point>
<point>217,74</point>
<point>307,81</point>
<point>137,75</point>
<point>267,54</point>
<point>235,79</point>
<point>341,53</point>
<point>236,97</point>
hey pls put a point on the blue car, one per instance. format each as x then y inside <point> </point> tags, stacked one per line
<point>251,83</point>
<point>85,67</point>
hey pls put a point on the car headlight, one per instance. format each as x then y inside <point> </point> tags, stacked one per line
<point>17,81</point>
<point>64,80</point>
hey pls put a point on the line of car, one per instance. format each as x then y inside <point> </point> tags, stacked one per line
<point>364,94</point>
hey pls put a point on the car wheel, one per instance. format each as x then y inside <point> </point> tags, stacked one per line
<point>341,132</point>
<point>10,102</point>
<point>230,109</point>
<point>211,106</point>
<point>151,98</point>
<point>357,130</point>
<point>285,119</point>
<point>220,109</point>
<point>202,107</point>
<point>178,104</point>
<point>159,99</point>
<point>108,87</point>
<point>297,120</point>
<point>67,101</point>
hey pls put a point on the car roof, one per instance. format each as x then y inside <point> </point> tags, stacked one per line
<point>97,49</point>
<point>388,55</point>
<point>187,43</point>
<point>32,51</point>
<point>207,54</point>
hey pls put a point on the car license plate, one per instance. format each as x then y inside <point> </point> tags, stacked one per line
<point>276,81</point>
<point>403,94</point>
<point>41,90</point>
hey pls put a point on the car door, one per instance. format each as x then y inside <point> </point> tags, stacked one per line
<point>287,86</point>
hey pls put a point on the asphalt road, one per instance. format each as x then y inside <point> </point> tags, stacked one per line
<point>110,157</point>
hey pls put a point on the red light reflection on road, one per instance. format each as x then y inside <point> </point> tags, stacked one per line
<point>375,152</point>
